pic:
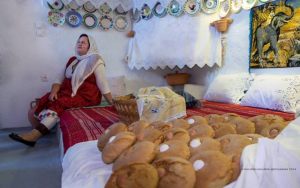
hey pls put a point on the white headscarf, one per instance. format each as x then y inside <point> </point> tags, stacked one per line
<point>88,63</point>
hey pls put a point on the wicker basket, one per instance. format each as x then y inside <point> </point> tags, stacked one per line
<point>222,25</point>
<point>177,78</point>
<point>127,108</point>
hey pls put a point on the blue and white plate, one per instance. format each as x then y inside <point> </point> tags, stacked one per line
<point>120,23</point>
<point>73,18</point>
<point>210,6</point>
<point>56,5</point>
<point>90,21</point>
<point>174,8</point>
<point>105,22</point>
<point>192,7</point>
<point>159,11</point>
<point>146,12</point>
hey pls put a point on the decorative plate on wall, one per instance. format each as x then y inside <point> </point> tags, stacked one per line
<point>210,6</point>
<point>136,15</point>
<point>192,7</point>
<point>73,5</point>
<point>146,12</point>
<point>174,8</point>
<point>105,22</point>
<point>105,9</point>
<point>264,1</point>
<point>120,10</point>
<point>56,18</point>
<point>236,6</point>
<point>120,23</point>
<point>90,21</point>
<point>89,7</point>
<point>73,18</point>
<point>248,4</point>
<point>159,11</point>
<point>225,8</point>
<point>57,5</point>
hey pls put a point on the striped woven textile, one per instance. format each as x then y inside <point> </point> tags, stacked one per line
<point>84,124</point>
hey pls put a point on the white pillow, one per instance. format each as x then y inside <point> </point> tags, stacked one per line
<point>274,92</point>
<point>117,85</point>
<point>228,88</point>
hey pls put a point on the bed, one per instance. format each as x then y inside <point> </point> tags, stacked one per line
<point>80,128</point>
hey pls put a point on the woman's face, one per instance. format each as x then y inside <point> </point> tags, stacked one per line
<point>83,45</point>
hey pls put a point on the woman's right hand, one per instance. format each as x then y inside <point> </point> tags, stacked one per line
<point>53,96</point>
<point>54,91</point>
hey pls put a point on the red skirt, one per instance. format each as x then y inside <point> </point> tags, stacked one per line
<point>66,101</point>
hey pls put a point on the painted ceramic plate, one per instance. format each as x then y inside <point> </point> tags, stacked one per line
<point>225,8</point>
<point>73,18</point>
<point>105,9</point>
<point>57,5</point>
<point>136,15</point>
<point>56,18</point>
<point>73,5</point>
<point>210,6</point>
<point>174,8</point>
<point>105,22</point>
<point>236,6</point>
<point>89,7</point>
<point>120,11</point>
<point>90,21</point>
<point>248,4</point>
<point>264,1</point>
<point>146,12</point>
<point>159,11</point>
<point>192,7</point>
<point>120,23</point>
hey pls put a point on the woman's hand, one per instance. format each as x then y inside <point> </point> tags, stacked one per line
<point>53,96</point>
<point>54,91</point>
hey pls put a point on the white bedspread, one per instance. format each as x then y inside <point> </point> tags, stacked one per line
<point>83,167</point>
<point>270,163</point>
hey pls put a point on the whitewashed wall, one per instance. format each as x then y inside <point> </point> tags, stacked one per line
<point>28,62</point>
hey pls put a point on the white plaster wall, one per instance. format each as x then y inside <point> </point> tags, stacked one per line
<point>29,63</point>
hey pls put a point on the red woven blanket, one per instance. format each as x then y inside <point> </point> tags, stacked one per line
<point>84,124</point>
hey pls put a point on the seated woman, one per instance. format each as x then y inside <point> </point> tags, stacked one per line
<point>83,84</point>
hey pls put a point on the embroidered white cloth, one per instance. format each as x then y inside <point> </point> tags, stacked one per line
<point>171,41</point>
<point>160,104</point>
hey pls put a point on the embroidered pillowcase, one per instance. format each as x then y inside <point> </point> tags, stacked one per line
<point>228,88</point>
<point>274,92</point>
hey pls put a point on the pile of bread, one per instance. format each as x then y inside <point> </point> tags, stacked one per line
<point>185,153</point>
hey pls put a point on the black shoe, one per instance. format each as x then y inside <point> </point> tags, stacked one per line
<point>17,138</point>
